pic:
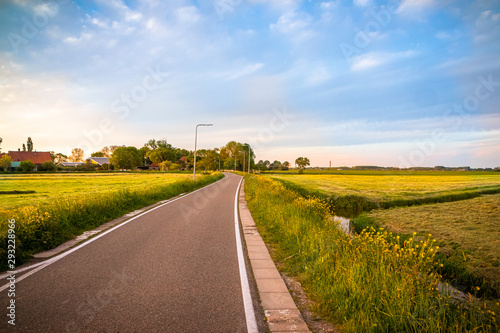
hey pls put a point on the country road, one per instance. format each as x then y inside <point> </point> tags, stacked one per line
<point>172,269</point>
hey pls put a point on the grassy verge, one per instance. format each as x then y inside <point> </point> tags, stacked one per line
<point>370,282</point>
<point>467,232</point>
<point>45,226</point>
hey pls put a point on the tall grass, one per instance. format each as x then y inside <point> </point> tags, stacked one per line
<point>46,226</point>
<point>369,282</point>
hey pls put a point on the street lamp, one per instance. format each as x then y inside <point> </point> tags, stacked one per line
<point>195,139</point>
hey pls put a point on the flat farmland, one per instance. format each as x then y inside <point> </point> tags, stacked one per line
<point>59,185</point>
<point>465,223</point>
<point>385,186</point>
<point>468,231</point>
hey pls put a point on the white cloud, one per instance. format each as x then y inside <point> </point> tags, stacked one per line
<point>50,9</point>
<point>487,27</point>
<point>375,59</point>
<point>247,70</point>
<point>239,72</point>
<point>367,61</point>
<point>318,75</point>
<point>362,3</point>
<point>76,40</point>
<point>101,23</point>
<point>415,8</point>
<point>291,22</point>
<point>128,14</point>
<point>281,5</point>
<point>188,14</point>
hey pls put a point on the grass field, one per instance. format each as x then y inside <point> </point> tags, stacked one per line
<point>354,192</point>
<point>386,185</point>
<point>47,187</point>
<point>468,231</point>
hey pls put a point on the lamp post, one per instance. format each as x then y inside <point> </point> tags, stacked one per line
<point>195,141</point>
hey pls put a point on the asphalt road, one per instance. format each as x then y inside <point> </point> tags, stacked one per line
<point>174,269</point>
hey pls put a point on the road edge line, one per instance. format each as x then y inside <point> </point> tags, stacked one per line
<point>245,286</point>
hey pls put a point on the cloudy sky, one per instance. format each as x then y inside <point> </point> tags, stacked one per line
<point>362,82</point>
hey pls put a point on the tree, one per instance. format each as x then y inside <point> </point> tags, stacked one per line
<point>97,154</point>
<point>175,166</point>
<point>165,166</point>
<point>231,151</point>
<point>77,155</point>
<point>5,162</point>
<point>276,165</point>
<point>302,162</point>
<point>48,166</point>
<point>155,144</point>
<point>24,147</point>
<point>161,154</point>
<point>107,151</point>
<point>209,160</point>
<point>27,166</point>
<point>158,151</point>
<point>59,158</point>
<point>29,144</point>
<point>126,158</point>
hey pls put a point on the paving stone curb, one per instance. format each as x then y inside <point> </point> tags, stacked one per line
<point>279,308</point>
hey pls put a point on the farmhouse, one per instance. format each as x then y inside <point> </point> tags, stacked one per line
<point>37,157</point>
<point>98,160</point>
<point>72,164</point>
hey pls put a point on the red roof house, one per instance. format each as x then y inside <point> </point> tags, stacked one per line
<point>37,157</point>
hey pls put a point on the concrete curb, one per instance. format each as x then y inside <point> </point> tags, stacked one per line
<point>279,308</point>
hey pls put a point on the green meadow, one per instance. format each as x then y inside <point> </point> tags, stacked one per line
<point>385,185</point>
<point>352,192</point>
<point>42,188</point>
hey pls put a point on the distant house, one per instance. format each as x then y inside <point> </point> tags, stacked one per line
<point>154,166</point>
<point>37,157</point>
<point>71,164</point>
<point>98,160</point>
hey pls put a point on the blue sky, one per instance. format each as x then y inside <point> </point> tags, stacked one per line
<point>363,82</point>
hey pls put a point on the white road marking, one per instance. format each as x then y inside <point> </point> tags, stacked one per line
<point>48,262</point>
<point>245,287</point>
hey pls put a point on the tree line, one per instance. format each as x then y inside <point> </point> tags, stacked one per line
<point>159,153</point>
<point>301,163</point>
<point>162,155</point>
